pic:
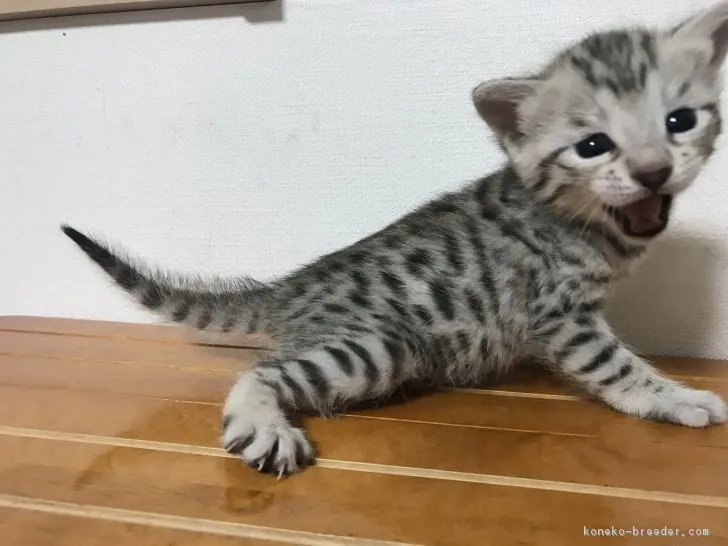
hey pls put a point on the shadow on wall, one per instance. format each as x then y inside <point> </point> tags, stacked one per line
<point>667,307</point>
<point>256,12</point>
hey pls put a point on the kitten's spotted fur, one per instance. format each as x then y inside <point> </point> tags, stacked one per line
<point>515,264</point>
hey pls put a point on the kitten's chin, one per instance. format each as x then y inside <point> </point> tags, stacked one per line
<point>644,219</point>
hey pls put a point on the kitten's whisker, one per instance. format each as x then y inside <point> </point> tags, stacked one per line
<point>588,202</point>
<point>588,220</point>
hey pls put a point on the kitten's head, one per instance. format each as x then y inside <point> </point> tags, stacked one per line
<point>618,124</point>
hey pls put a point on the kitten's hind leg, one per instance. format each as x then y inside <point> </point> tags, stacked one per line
<point>256,422</point>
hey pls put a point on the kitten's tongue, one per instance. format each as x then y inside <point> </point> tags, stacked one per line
<point>644,215</point>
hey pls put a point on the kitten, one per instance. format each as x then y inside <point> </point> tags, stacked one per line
<point>518,263</point>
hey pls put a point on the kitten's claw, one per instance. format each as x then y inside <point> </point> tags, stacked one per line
<point>274,447</point>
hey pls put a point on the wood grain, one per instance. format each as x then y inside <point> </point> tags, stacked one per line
<point>110,434</point>
<point>28,527</point>
<point>595,460</point>
<point>365,505</point>
<point>29,9</point>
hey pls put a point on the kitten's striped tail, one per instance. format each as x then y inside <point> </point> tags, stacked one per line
<point>220,305</point>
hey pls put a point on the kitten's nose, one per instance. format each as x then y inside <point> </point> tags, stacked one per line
<point>653,179</point>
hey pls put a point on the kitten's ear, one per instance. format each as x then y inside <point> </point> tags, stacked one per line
<point>710,24</point>
<point>497,103</point>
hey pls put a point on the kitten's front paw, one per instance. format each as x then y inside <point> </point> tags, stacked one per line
<point>270,445</point>
<point>670,402</point>
<point>689,407</point>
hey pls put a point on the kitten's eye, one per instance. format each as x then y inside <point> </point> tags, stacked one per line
<point>594,145</point>
<point>681,120</point>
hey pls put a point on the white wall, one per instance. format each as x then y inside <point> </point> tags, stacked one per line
<point>256,137</point>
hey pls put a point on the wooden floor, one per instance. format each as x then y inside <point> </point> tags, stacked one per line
<point>109,434</point>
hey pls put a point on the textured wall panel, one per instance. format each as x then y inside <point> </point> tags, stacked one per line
<point>253,138</point>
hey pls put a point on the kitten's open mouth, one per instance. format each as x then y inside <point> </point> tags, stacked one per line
<point>644,218</point>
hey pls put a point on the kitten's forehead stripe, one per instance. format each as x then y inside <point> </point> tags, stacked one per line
<point>684,88</point>
<point>617,60</point>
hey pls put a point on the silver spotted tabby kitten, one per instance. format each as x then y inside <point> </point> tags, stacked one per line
<point>516,264</point>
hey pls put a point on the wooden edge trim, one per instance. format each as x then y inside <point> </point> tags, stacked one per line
<point>13,10</point>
